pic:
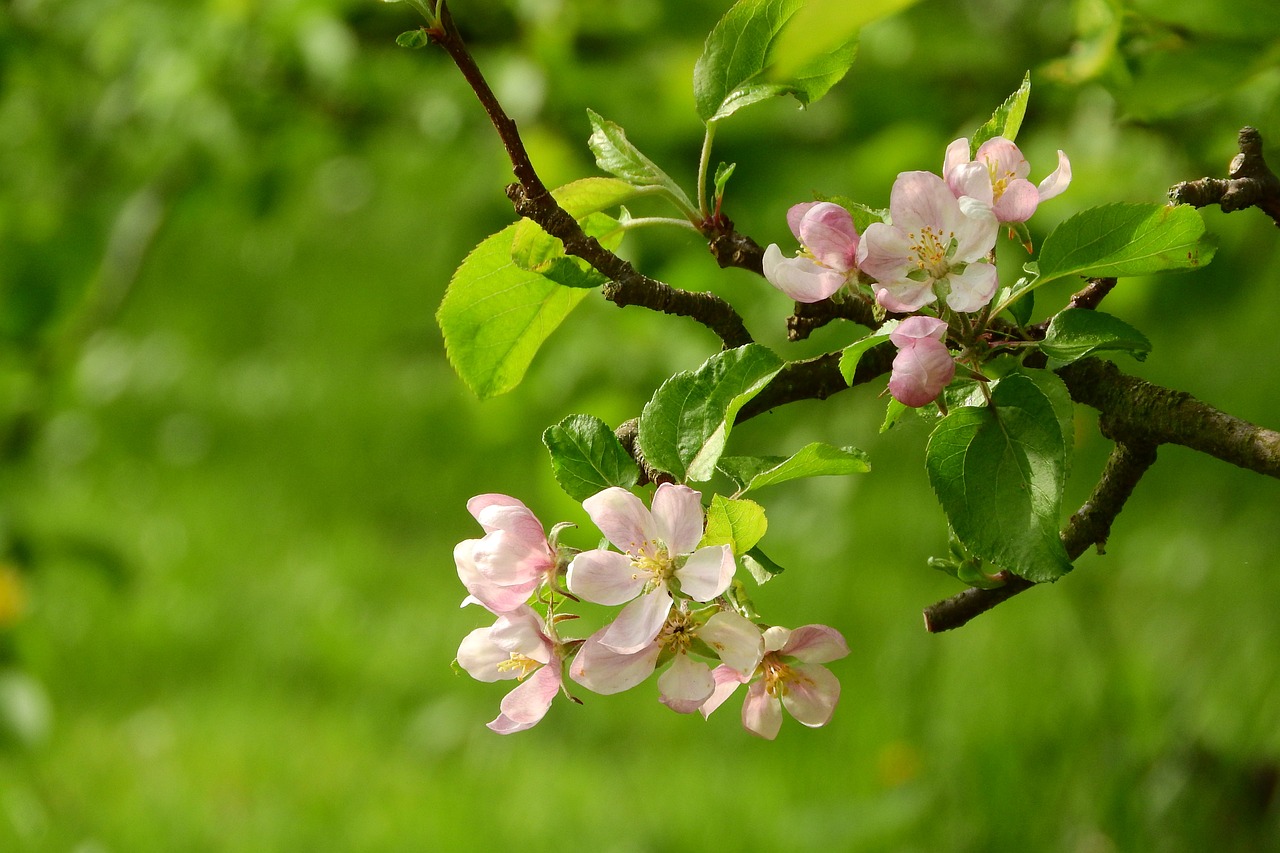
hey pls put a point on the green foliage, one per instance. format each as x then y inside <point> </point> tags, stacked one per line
<point>1007,118</point>
<point>738,523</point>
<point>1126,239</point>
<point>586,457</point>
<point>1077,332</point>
<point>812,460</point>
<point>616,155</point>
<point>761,568</point>
<point>684,427</point>
<point>999,473</point>
<point>853,353</point>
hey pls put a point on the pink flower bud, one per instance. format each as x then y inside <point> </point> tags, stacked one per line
<point>920,372</point>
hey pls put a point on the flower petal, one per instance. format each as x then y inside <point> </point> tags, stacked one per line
<point>505,559</point>
<point>622,518</point>
<point>795,214</point>
<point>815,644</point>
<point>602,670</point>
<point>522,632</point>
<point>528,703</point>
<point>920,372</point>
<point>811,695</point>
<point>638,623</point>
<point>957,155</point>
<point>914,328</point>
<point>827,231</point>
<point>501,512</point>
<point>775,637</point>
<point>1018,202</point>
<point>801,278</point>
<point>677,517</point>
<point>1058,181</point>
<point>1003,159</point>
<point>920,200</point>
<point>604,577</point>
<point>736,639</point>
<point>494,597</point>
<point>727,680</point>
<point>686,685</point>
<point>883,252</point>
<point>480,656</point>
<point>707,572</point>
<point>904,295</point>
<point>972,289</point>
<point>761,713</point>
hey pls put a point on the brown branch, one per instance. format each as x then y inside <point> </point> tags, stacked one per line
<point>1090,525</point>
<point>809,317</point>
<point>1250,182</point>
<point>531,198</point>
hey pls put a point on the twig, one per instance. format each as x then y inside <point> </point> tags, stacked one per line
<point>1250,182</point>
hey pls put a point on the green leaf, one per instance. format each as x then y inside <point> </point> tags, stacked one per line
<point>760,566</point>
<point>723,173</point>
<point>586,457</point>
<point>616,155</point>
<point>730,74</point>
<point>893,413</point>
<point>852,354</point>
<point>684,427</point>
<point>413,39</point>
<point>1078,332</point>
<point>999,474</point>
<point>537,251</point>
<point>1125,239</point>
<point>495,316</point>
<point>812,460</point>
<point>740,524</point>
<point>1007,118</point>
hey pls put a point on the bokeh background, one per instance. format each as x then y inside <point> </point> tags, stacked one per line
<point>235,460</point>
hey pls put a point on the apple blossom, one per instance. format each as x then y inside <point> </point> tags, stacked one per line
<point>997,176</point>
<point>659,550</point>
<point>825,263</point>
<point>688,682</point>
<point>924,365</point>
<point>516,646</point>
<point>936,247</point>
<point>501,570</point>
<point>789,676</point>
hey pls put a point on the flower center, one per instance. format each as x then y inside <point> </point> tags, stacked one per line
<point>678,633</point>
<point>931,251</point>
<point>999,180</point>
<point>653,563</point>
<point>525,665</point>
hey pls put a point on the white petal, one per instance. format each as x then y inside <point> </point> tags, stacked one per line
<point>604,577</point>
<point>811,695</point>
<point>685,685</point>
<point>972,289</point>
<point>602,670</point>
<point>480,657</point>
<point>736,639</point>
<point>775,638</point>
<point>761,713</point>
<point>706,573</point>
<point>622,518</point>
<point>801,278</point>
<point>677,515</point>
<point>727,681</point>
<point>957,155</point>
<point>638,623</point>
<point>815,644</point>
<point>1058,181</point>
<point>522,632</point>
<point>527,704</point>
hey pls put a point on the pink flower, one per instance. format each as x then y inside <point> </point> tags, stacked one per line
<point>658,553</point>
<point>936,247</point>
<point>504,568</point>
<point>924,365</point>
<point>997,177</point>
<point>515,646</point>
<point>825,263</point>
<point>688,682</point>
<point>789,676</point>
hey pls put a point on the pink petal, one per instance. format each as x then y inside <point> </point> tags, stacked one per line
<point>604,577</point>
<point>505,559</point>
<point>677,517</point>
<point>1003,158</point>
<point>904,295</point>
<point>920,372</point>
<point>802,278</point>
<point>494,597</point>
<point>972,289</point>
<point>638,623</point>
<point>480,656</point>
<point>686,684</point>
<point>1058,181</point>
<point>827,231</point>
<point>602,670</point>
<point>811,695</point>
<point>726,680</point>
<point>761,713</point>
<point>500,512</point>
<point>815,644</point>
<point>957,155</point>
<point>919,200</point>
<point>522,632</point>
<point>622,518</point>
<point>975,229</point>
<point>735,639</point>
<point>527,704</point>
<point>796,213</point>
<point>884,252</point>
<point>1018,202</point>
<point>914,328</point>
<point>972,180</point>
<point>707,572</point>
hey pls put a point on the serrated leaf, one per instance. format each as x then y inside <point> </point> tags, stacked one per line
<point>1126,239</point>
<point>684,427</point>
<point>852,354</point>
<point>616,155</point>
<point>1007,118</point>
<point>999,475</point>
<point>760,567</point>
<point>586,457</point>
<point>893,413</point>
<point>812,460</point>
<point>537,251</point>
<point>1078,332</point>
<point>740,524</point>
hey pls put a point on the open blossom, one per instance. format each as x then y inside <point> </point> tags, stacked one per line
<point>688,682</point>
<point>658,551</point>
<point>515,646</point>
<point>503,569</point>
<point>924,365</point>
<point>825,262</point>
<point>997,177</point>
<point>936,246</point>
<point>789,676</point>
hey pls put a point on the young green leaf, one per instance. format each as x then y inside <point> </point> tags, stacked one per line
<point>1078,332</point>
<point>740,524</point>
<point>999,474</point>
<point>684,427</point>
<point>413,39</point>
<point>758,564</point>
<point>616,155</point>
<point>852,354</point>
<point>812,460</point>
<point>586,457</point>
<point>1126,239</point>
<point>1007,118</point>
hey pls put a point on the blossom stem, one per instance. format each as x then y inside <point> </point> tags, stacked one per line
<point>704,163</point>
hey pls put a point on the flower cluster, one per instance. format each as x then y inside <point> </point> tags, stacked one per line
<point>935,251</point>
<point>676,615</point>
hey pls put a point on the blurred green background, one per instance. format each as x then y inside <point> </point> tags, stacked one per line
<point>235,461</point>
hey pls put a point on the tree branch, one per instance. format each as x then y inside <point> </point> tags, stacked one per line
<point>1250,182</point>
<point>531,198</point>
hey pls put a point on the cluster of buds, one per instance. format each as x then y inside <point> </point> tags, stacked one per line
<point>676,616</point>
<point>935,253</point>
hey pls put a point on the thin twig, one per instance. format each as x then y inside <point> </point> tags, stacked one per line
<point>1250,182</point>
